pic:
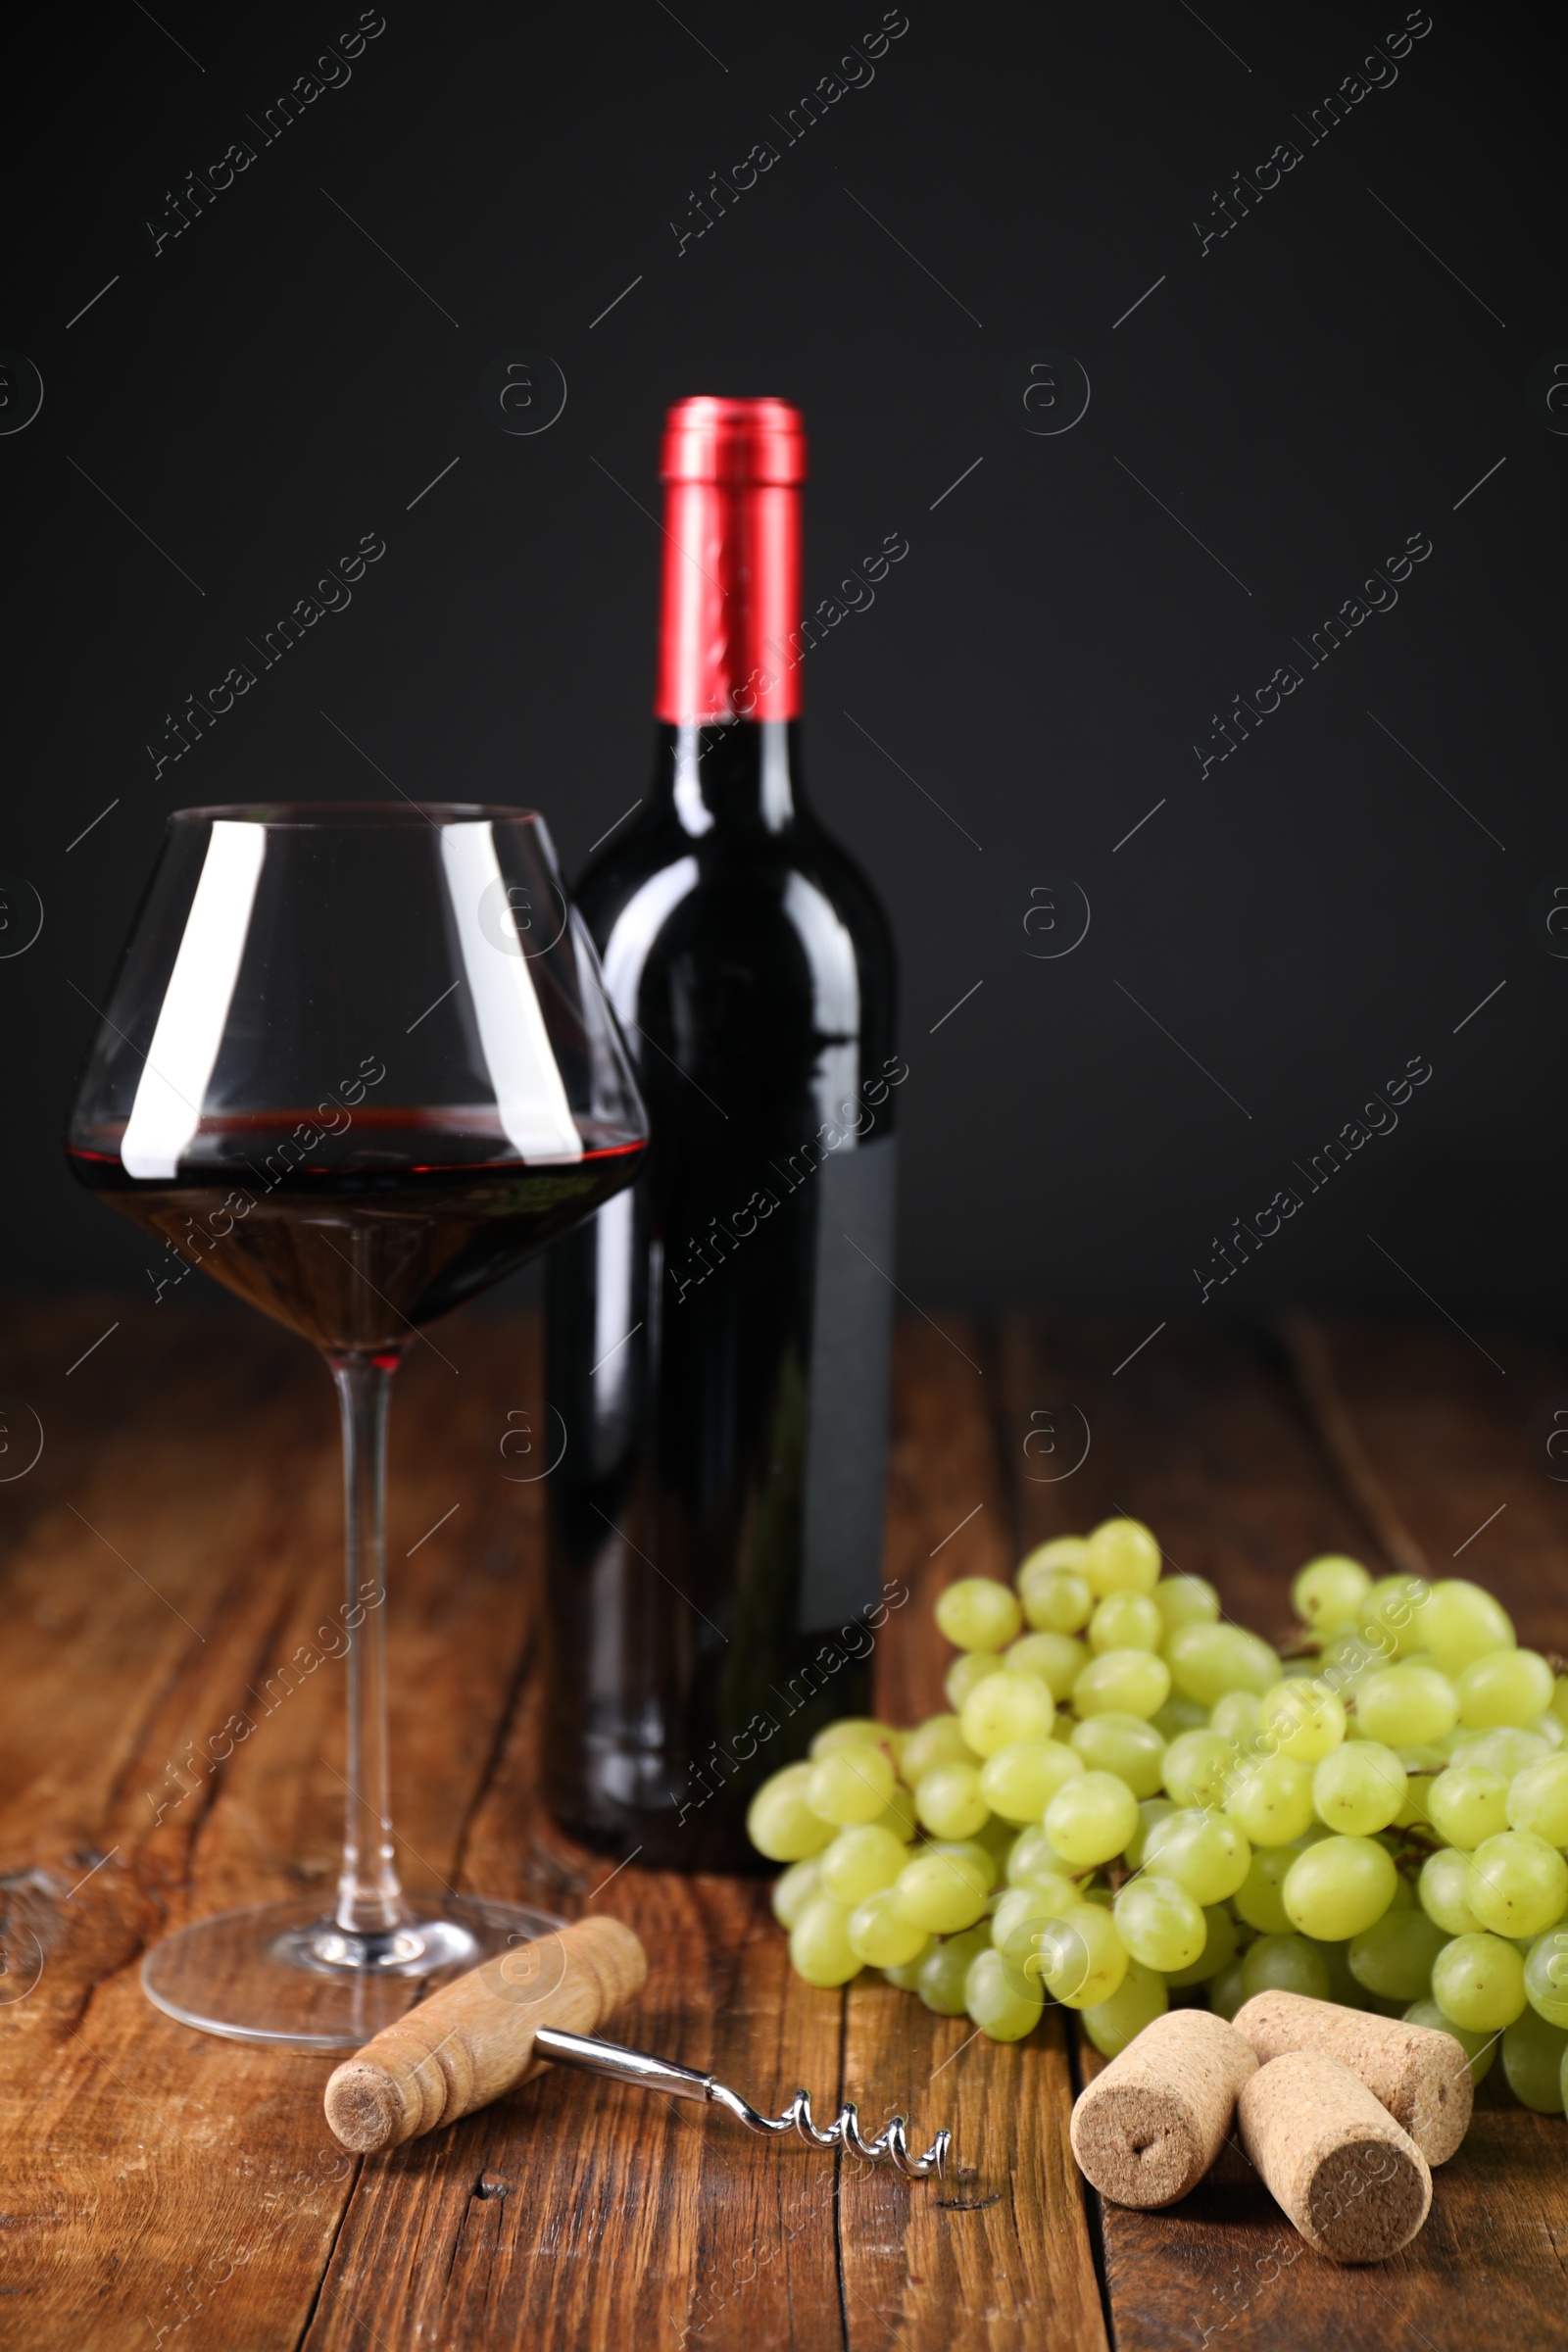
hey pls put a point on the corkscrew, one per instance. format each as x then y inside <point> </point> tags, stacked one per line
<point>620,2065</point>
<point>487,2031</point>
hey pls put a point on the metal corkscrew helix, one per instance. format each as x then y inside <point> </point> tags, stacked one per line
<point>890,2146</point>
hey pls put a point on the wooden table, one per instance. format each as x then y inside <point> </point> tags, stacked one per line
<point>177,1540</point>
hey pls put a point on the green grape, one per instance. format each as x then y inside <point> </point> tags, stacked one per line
<point>1004,1708</point>
<point>973,1851</point>
<point>1123,1682</point>
<point>1560,1699</point>
<point>1285,1964</point>
<point>907,1975</point>
<point>1061,1552</point>
<point>1080,1959</point>
<point>1534,2059</point>
<point>1123,1557</point>
<point>1546,1976</point>
<point>971,1667</point>
<point>938,1741</point>
<point>1328,1593</point>
<point>1020,1906</point>
<point>860,1862</point>
<point>1443,1889</point>
<point>1003,2005</point>
<point>819,1944</point>
<point>898,1815</point>
<point>1179,1715</point>
<point>1023,1942</point>
<point>1226,1992</point>
<point>1056,1658</point>
<point>1360,1788</point>
<point>1091,1818</point>
<point>1199,1767</point>
<point>1392,1958</point>
<point>940,1978</point>
<point>1219,1951</point>
<point>1271,1801</point>
<point>1159,1923</point>
<point>1186,1600</point>
<point>1260,1896</point>
<point>1390,1615</point>
<point>978,1613</point>
<point>1301,1720</point>
<point>1510,1688</point>
<point>1462,1622</point>
<point>1421,1767</point>
<point>795,1889</point>
<point>1506,1750</point>
<point>851,1730</point>
<point>780,1823</point>
<point>1207,1660</point>
<point>949,1801</point>
<point>1346,1656</point>
<point>1406,1705</point>
<point>1338,1886</point>
<point>1126,1620</point>
<point>1479,2048</point>
<point>1342,1987</point>
<point>1151,1809</point>
<point>1467,1803</point>
<point>943,1894</point>
<point>1235,1717</point>
<point>1204,1852</point>
<point>1020,1780</point>
<point>1033,1857</point>
<point>999,1838</point>
<point>1137,2000</point>
<point>882,1935</point>
<point>852,1784</point>
<point>1479,1981</point>
<point>1123,1744</point>
<point>1518,1883</point>
<point>1055,1600</point>
<point>1550,1726</point>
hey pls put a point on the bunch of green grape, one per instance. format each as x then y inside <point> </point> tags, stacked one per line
<point>1132,1803</point>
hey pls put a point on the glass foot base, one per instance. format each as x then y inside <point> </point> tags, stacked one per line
<point>285,1973</point>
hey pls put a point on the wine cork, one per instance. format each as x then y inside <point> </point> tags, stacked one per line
<point>1421,2077</point>
<point>1351,2179</point>
<point>1147,2130</point>
<point>473,2039</point>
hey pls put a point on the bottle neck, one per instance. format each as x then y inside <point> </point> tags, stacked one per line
<point>739,777</point>
<point>729,643</point>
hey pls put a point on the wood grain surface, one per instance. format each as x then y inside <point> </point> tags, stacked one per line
<point>175,1548</point>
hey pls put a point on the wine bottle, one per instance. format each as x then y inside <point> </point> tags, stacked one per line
<point>718,1335</point>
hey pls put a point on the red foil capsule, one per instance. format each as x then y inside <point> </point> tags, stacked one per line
<point>732,470</point>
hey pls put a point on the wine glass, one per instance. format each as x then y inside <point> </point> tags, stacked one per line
<point>358,1064</point>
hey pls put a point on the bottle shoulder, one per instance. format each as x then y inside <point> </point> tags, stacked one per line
<point>665,879</point>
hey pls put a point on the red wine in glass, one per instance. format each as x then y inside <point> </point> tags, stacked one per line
<point>358,1064</point>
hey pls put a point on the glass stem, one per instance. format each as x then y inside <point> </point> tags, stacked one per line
<point>370,1899</point>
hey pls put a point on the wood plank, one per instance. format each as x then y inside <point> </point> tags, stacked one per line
<point>226,2191</point>
<point>1003,2260</point>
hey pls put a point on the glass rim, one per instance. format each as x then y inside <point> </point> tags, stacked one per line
<point>309,816</point>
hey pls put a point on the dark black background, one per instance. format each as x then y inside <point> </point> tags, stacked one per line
<point>1301,398</point>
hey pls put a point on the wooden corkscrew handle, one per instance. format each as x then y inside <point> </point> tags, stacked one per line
<point>474,2039</point>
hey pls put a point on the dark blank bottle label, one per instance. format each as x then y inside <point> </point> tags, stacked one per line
<point>846,1426</point>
